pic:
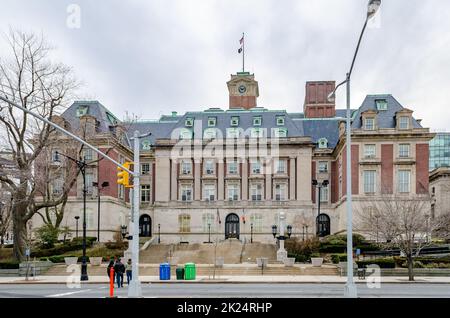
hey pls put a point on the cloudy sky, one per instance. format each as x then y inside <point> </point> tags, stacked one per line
<point>155,56</point>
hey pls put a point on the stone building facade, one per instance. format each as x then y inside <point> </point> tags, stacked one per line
<point>229,173</point>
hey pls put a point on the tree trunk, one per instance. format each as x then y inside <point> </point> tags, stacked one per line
<point>19,232</point>
<point>410,267</point>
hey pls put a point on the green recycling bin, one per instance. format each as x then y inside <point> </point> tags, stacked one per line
<point>180,272</point>
<point>189,271</point>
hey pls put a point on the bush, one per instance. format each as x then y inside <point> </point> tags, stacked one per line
<point>116,245</point>
<point>382,262</point>
<point>74,245</point>
<point>89,240</point>
<point>9,265</point>
<point>336,258</point>
<point>424,261</point>
<point>47,235</point>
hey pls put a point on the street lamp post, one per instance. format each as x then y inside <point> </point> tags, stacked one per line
<point>159,233</point>
<point>99,188</point>
<point>319,185</point>
<point>82,167</point>
<point>350,287</point>
<point>281,253</point>
<point>251,232</point>
<point>76,219</point>
<point>209,232</point>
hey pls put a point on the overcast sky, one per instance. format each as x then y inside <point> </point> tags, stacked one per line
<point>154,57</point>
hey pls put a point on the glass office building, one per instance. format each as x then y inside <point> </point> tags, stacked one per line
<point>440,151</point>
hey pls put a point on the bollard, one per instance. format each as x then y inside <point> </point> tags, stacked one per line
<point>111,282</point>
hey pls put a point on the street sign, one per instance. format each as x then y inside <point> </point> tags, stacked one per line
<point>358,251</point>
<point>27,252</point>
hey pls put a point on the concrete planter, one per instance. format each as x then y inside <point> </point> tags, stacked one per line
<point>317,261</point>
<point>95,261</point>
<point>289,261</point>
<point>70,260</point>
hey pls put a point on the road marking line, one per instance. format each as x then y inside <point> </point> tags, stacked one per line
<point>70,293</point>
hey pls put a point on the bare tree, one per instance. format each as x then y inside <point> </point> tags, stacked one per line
<point>29,78</point>
<point>401,221</point>
<point>441,226</point>
<point>5,214</point>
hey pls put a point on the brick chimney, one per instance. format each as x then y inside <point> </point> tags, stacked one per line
<point>316,104</point>
<point>243,90</point>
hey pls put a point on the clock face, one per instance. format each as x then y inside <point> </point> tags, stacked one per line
<point>242,89</point>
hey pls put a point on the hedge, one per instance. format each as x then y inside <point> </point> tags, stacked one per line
<point>336,258</point>
<point>382,262</point>
<point>74,245</point>
<point>9,265</point>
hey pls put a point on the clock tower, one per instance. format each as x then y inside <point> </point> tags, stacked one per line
<point>243,90</point>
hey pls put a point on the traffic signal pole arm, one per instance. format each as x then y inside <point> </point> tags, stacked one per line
<point>67,133</point>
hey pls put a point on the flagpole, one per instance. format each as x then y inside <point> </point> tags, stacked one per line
<point>243,53</point>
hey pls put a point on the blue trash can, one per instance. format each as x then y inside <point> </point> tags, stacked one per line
<point>164,271</point>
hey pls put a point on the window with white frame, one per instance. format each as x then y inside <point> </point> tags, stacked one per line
<point>323,143</point>
<point>323,194</point>
<point>256,192</point>
<point>404,181</point>
<point>256,167</point>
<point>184,223</point>
<point>232,167</point>
<point>87,154</point>
<point>279,132</point>
<point>280,166</point>
<point>369,181</point>
<point>209,192</point>
<point>280,192</point>
<point>212,121</point>
<point>257,133</point>
<point>186,167</point>
<point>233,191</point>
<point>185,133</point>
<point>381,104</point>
<point>186,192</point>
<point>82,110</point>
<point>58,186</point>
<point>234,121</point>
<point>403,150</point>
<point>209,167</point>
<point>280,120</point>
<point>210,133</point>
<point>369,123</point>
<point>233,132</point>
<point>369,151</point>
<point>323,166</point>
<point>89,181</point>
<point>208,222</point>
<point>256,219</point>
<point>257,121</point>
<point>146,145</point>
<point>145,168</point>
<point>403,122</point>
<point>189,122</point>
<point>145,193</point>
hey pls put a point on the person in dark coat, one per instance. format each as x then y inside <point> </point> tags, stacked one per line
<point>119,269</point>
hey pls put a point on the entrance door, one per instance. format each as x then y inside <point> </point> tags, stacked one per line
<point>145,226</point>
<point>232,226</point>
<point>323,225</point>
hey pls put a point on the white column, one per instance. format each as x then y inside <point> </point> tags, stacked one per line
<point>174,181</point>
<point>281,253</point>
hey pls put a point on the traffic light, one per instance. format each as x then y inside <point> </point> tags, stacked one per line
<point>123,177</point>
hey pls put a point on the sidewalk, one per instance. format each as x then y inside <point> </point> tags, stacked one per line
<point>228,279</point>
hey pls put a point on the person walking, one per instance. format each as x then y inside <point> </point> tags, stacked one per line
<point>108,269</point>
<point>119,269</point>
<point>128,269</point>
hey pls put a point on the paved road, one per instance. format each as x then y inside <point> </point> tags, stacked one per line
<point>226,290</point>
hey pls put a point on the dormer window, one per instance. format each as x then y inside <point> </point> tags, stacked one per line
<point>279,132</point>
<point>185,134</point>
<point>257,133</point>
<point>210,133</point>
<point>82,110</point>
<point>212,121</point>
<point>189,122</point>
<point>280,120</point>
<point>257,121</point>
<point>146,145</point>
<point>403,122</point>
<point>111,119</point>
<point>234,121</point>
<point>369,123</point>
<point>381,104</point>
<point>323,143</point>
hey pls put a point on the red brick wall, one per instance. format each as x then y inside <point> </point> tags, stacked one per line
<point>242,101</point>
<point>319,111</point>
<point>108,172</point>
<point>313,176</point>
<point>355,169</point>
<point>334,182</point>
<point>316,104</point>
<point>387,168</point>
<point>422,158</point>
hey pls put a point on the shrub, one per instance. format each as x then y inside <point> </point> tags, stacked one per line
<point>116,245</point>
<point>382,262</point>
<point>89,240</point>
<point>47,235</point>
<point>336,258</point>
<point>9,265</point>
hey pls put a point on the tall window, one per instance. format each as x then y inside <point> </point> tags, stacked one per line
<point>209,167</point>
<point>209,192</point>
<point>256,167</point>
<point>145,193</point>
<point>208,222</point>
<point>404,177</point>
<point>369,123</point>
<point>87,154</point>
<point>232,167</point>
<point>257,220</point>
<point>323,166</point>
<point>184,223</point>
<point>145,168</point>
<point>90,216</point>
<point>256,192</point>
<point>369,181</point>
<point>281,166</point>
<point>186,167</point>
<point>403,150</point>
<point>233,192</point>
<point>403,122</point>
<point>55,155</point>
<point>280,192</point>
<point>58,185</point>
<point>323,194</point>
<point>89,180</point>
<point>186,192</point>
<point>369,151</point>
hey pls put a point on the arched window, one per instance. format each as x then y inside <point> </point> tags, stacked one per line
<point>323,143</point>
<point>185,133</point>
<point>210,133</point>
